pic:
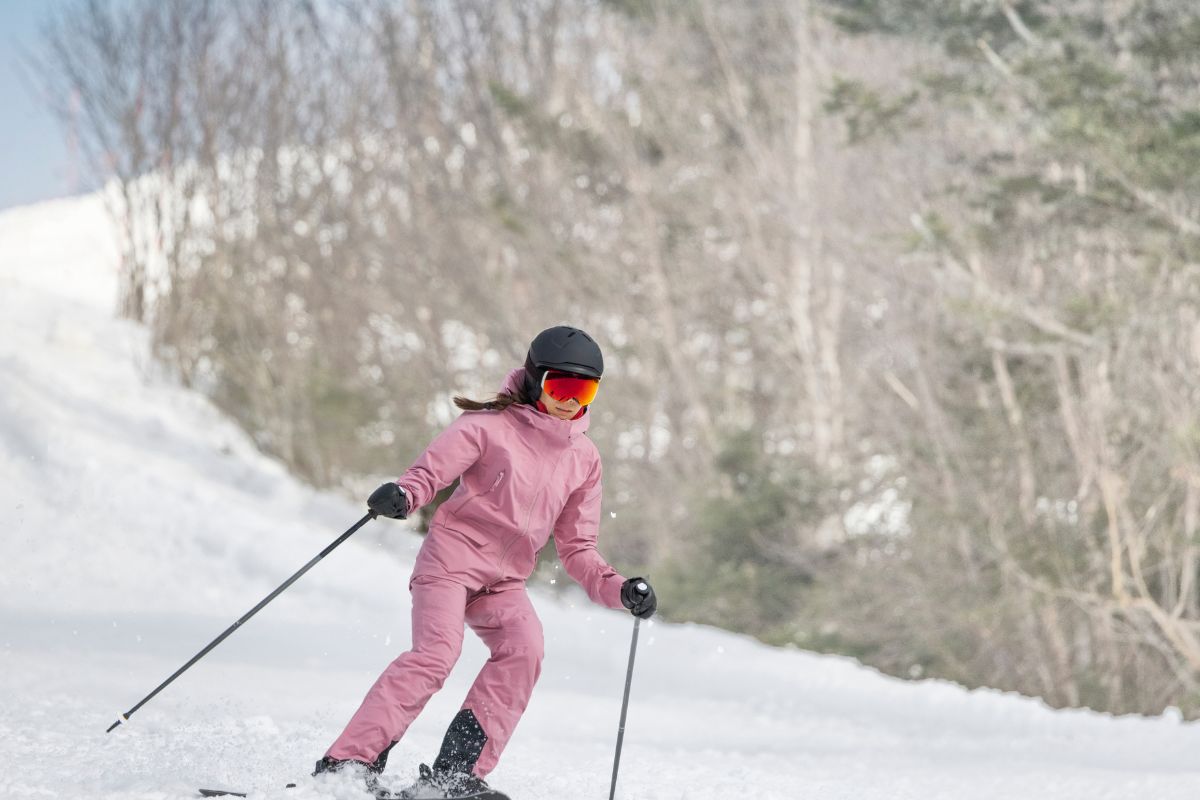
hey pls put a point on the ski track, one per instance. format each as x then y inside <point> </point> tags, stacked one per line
<point>138,523</point>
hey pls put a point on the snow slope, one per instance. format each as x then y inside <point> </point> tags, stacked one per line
<point>136,523</point>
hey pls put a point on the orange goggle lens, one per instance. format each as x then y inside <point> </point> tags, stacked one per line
<point>563,386</point>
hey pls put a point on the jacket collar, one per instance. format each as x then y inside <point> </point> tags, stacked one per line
<point>558,428</point>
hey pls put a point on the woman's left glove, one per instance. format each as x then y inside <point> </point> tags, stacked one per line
<point>389,500</point>
<point>638,596</point>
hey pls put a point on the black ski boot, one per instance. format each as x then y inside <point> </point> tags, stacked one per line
<point>451,775</point>
<point>361,770</point>
<point>433,785</point>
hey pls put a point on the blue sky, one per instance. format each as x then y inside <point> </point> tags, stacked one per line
<point>34,160</point>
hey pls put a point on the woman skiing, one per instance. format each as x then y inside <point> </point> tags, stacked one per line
<point>526,471</point>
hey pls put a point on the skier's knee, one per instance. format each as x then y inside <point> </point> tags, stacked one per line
<point>534,641</point>
<point>525,645</point>
<point>439,657</point>
<point>536,652</point>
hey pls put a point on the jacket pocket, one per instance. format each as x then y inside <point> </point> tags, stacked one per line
<point>471,497</point>
<point>473,538</point>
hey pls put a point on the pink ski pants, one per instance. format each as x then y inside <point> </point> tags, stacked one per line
<point>507,624</point>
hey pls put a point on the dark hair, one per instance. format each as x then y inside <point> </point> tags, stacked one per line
<point>503,400</point>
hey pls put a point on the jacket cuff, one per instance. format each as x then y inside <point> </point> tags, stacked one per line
<point>610,593</point>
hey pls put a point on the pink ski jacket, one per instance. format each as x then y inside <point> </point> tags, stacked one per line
<point>524,476</point>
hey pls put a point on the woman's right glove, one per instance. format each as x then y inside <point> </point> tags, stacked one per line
<point>638,596</point>
<point>389,500</point>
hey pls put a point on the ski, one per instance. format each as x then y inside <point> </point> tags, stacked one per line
<point>230,792</point>
<point>380,794</point>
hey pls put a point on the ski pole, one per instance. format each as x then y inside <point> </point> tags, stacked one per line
<point>625,702</point>
<point>125,717</point>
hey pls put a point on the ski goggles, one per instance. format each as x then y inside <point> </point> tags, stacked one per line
<point>564,386</point>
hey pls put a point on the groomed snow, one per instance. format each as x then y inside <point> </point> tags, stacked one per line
<point>137,523</point>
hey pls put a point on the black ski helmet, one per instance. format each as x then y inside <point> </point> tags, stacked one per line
<point>564,348</point>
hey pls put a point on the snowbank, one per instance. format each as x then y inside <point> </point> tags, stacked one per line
<point>138,523</point>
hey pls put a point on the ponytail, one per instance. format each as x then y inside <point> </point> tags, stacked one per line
<point>502,401</point>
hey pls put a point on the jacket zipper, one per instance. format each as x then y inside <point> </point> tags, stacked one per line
<point>513,540</point>
<point>488,588</point>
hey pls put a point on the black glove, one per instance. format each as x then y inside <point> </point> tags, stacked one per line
<point>389,500</point>
<point>638,596</point>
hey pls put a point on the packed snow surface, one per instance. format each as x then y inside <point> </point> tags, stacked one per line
<point>138,523</point>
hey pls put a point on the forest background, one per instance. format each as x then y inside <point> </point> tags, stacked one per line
<point>898,300</point>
